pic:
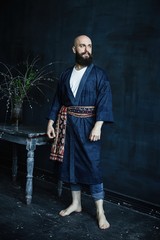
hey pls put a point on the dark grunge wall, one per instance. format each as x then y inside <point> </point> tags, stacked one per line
<point>126,36</point>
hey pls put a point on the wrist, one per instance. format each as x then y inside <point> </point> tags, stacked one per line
<point>50,123</point>
<point>98,124</point>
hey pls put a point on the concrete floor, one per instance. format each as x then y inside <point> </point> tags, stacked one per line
<point>40,220</point>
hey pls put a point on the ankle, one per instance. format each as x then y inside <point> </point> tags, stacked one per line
<point>99,207</point>
<point>100,212</point>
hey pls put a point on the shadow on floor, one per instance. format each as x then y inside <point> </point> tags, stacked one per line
<point>40,219</point>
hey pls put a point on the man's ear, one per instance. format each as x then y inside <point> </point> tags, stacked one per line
<point>73,49</point>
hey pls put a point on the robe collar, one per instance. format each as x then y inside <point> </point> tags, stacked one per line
<point>75,99</point>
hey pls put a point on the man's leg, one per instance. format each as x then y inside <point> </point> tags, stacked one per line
<point>76,201</point>
<point>98,196</point>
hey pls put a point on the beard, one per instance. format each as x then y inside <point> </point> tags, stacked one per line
<point>83,61</point>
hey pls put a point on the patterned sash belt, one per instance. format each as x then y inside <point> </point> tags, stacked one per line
<point>57,149</point>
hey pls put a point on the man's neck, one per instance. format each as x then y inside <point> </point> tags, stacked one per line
<point>79,67</point>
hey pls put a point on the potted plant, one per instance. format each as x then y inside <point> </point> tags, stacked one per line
<point>17,83</point>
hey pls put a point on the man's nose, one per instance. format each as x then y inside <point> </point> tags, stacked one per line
<point>87,50</point>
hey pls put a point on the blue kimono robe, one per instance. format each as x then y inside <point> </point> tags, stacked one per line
<point>81,163</point>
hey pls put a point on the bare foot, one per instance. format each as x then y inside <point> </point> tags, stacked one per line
<point>70,209</point>
<point>102,221</point>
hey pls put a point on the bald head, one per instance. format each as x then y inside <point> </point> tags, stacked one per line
<point>82,43</point>
<point>82,38</point>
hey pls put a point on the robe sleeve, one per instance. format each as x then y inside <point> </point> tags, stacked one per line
<point>56,104</point>
<point>104,99</point>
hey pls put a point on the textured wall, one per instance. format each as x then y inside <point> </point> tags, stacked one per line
<point>126,36</point>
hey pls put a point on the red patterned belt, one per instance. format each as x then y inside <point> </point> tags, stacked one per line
<point>57,149</point>
<point>81,111</point>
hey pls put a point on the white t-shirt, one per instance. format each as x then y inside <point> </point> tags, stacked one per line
<point>75,79</point>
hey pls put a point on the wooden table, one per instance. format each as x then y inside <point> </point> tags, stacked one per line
<point>30,137</point>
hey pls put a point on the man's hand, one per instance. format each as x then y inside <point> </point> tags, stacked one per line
<point>96,131</point>
<point>50,129</point>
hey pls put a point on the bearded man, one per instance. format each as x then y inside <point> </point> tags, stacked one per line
<point>82,103</point>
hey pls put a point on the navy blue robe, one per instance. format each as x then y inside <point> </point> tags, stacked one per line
<point>81,163</point>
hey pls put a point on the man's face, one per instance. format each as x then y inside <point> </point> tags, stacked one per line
<point>83,51</point>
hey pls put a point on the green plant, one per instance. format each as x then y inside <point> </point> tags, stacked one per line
<point>17,82</point>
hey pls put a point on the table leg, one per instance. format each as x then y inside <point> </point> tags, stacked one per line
<point>60,185</point>
<point>31,146</point>
<point>14,162</point>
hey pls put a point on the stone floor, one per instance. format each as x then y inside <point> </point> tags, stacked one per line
<point>40,220</point>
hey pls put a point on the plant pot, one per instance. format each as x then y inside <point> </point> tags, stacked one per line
<point>16,114</point>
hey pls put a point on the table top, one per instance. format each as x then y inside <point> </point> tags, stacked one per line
<point>23,131</point>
